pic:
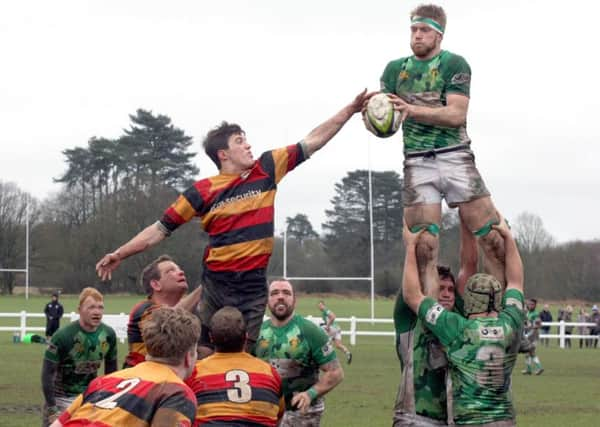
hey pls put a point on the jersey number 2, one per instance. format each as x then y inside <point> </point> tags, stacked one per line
<point>241,391</point>
<point>109,402</point>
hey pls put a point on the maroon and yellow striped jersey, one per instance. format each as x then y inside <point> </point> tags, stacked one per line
<point>137,349</point>
<point>236,389</point>
<point>147,394</point>
<point>237,211</point>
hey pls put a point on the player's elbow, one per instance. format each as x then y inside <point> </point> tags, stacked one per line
<point>414,300</point>
<point>457,121</point>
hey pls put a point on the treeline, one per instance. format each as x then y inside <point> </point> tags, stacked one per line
<point>115,187</point>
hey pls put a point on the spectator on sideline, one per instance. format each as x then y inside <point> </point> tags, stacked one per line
<point>53,311</point>
<point>583,317</point>
<point>545,316</point>
<point>568,317</point>
<point>595,330</point>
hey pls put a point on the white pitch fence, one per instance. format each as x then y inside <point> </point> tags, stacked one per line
<point>116,321</point>
<point>119,323</point>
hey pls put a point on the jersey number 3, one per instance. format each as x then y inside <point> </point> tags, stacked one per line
<point>241,391</point>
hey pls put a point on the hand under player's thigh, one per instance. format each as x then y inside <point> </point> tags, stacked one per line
<point>478,215</point>
<point>428,217</point>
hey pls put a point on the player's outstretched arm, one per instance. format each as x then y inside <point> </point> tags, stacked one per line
<point>453,114</point>
<point>323,133</point>
<point>469,257</point>
<point>411,286</point>
<point>514,265</point>
<point>145,239</point>
<point>331,375</point>
<point>191,300</point>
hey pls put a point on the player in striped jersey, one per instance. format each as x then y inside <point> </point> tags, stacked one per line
<point>235,208</point>
<point>232,387</point>
<point>152,392</point>
<point>165,284</point>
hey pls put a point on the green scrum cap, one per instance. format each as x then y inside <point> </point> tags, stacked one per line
<point>483,294</point>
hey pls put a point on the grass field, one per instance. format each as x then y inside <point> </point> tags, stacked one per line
<point>565,395</point>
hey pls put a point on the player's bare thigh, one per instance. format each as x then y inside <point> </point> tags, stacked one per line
<point>423,214</point>
<point>477,213</point>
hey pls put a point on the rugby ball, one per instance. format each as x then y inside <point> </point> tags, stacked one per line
<point>380,117</point>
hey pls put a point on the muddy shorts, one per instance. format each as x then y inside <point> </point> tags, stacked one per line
<point>310,418</point>
<point>452,176</point>
<point>503,423</point>
<point>404,419</point>
<point>334,333</point>
<point>527,345</point>
<point>62,403</point>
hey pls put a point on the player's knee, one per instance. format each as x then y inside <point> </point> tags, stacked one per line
<point>426,248</point>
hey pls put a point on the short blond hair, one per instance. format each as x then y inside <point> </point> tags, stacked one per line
<point>170,333</point>
<point>431,11</point>
<point>90,292</point>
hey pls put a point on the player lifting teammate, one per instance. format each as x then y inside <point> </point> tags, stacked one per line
<point>482,350</point>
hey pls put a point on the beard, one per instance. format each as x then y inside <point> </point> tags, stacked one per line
<point>422,50</point>
<point>281,311</point>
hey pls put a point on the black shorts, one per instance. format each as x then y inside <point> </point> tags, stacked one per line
<point>250,297</point>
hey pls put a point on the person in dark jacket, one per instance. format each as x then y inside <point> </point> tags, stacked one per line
<point>545,316</point>
<point>53,311</point>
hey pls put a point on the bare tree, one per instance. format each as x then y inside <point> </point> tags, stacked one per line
<point>531,234</point>
<point>13,215</point>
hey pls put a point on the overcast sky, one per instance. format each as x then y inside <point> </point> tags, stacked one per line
<point>72,70</point>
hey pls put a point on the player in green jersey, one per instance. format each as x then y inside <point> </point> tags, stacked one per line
<point>332,329</point>
<point>74,356</point>
<point>531,336</point>
<point>431,89</point>
<point>481,349</point>
<point>298,349</point>
<point>424,394</point>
